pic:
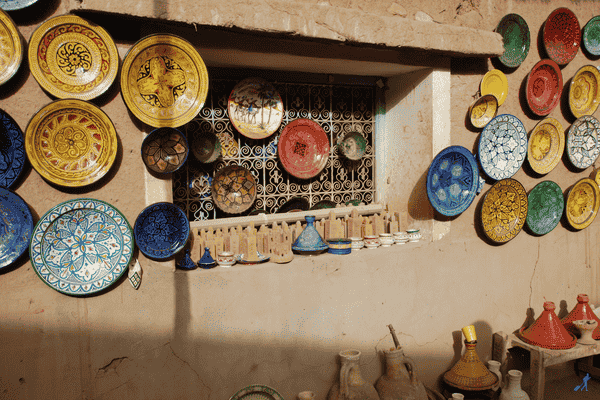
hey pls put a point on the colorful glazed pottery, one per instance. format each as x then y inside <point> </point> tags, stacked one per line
<point>543,87</point>
<point>371,242</point>
<point>81,246</point>
<point>400,237</point>
<point>504,210</point>
<point>12,47</point>
<point>309,240</point>
<point>324,204</point>
<point>414,235</point>
<point>591,36</point>
<point>225,259</point>
<point>257,392</point>
<point>294,204</point>
<point>17,227</point>
<point>259,259</point>
<point>546,204</point>
<point>303,148</point>
<point>352,146</point>
<point>206,261</point>
<point>164,81</point>
<point>515,35</point>
<point>561,36</point>
<point>386,239</point>
<point>186,262</point>
<point>581,311</point>
<point>483,110</point>
<point>351,384</point>
<point>582,205</point>
<point>233,189</point>
<point>583,141</point>
<point>546,145</point>
<point>502,147</point>
<point>547,331</point>
<point>12,150</point>
<point>339,246</point>
<point>495,82</point>
<point>70,57</point>
<point>584,93</point>
<point>356,243</point>
<point>161,230</point>
<point>586,327</point>
<point>71,143</point>
<point>11,5</point>
<point>165,150</point>
<point>255,108</point>
<point>206,146</point>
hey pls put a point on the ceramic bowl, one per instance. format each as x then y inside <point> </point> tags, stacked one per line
<point>400,237</point>
<point>357,243</point>
<point>386,239</point>
<point>414,235</point>
<point>165,150</point>
<point>483,110</point>
<point>206,147</point>
<point>234,189</point>
<point>225,259</point>
<point>371,241</point>
<point>353,146</point>
<point>544,86</point>
<point>339,246</point>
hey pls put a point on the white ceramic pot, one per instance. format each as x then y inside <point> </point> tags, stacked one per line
<point>371,242</point>
<point>414,235</point>
<point>357,243</point>
<point>400,237</point>
<point>225,259</point>
<point>386,239</point>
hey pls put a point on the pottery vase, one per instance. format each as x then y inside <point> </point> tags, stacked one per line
<point>351,384</point>
<point>400,380</point>
<point>512,390</point>
<point>494,367</point>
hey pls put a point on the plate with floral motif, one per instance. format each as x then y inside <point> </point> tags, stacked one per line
<point>504,210</point>
<point>72,58</point>
<point>234,189</point>
<point>582,205</point>
<point>582,141</point>
<point>81,247</point>
<point>257,392</point>
<point>16,223</point>
<point>71,143</point>
<point>164,81</point>
<point>584,93</point>
<point>561,36</point>
<point>12,150</point>
<point>546,145</point>
<point>11,5</point>
<point>161,230</point>
<point>12,47</point>
<point>591,36</point>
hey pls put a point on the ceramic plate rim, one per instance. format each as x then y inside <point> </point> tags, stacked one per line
<point>591,219</point>
<point>240,394</point>
<point>553,14</point>
<point>557,96</point>
<point>535,165</point>
<point>584,36</point>
<point>518,20</point>
<point>502,77</point>
<point>596,101</point>
<point>13,66</point>
<point>557,220</point>
<point>520,224</point>
<point>568,143</point>
<point>137,227</point>
<point>317,128</point>
<point>28,213</point>
<point>486,132</point>
<point>19,141</point>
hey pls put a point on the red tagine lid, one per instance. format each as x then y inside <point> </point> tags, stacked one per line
<point>547,331</point>
<point>582,310</point>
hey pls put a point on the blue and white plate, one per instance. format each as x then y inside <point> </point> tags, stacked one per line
<point>81,246</point>
<point>161,230</point>
<point>452,180</point>
<point>582,141</point>
<point>12,150</point>
<point>502,147</point>
<point>16,225</point>
<point>11,5</point>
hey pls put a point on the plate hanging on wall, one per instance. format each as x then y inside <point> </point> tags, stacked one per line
<point>70,57</point>
<point>546,206</point>
<point>17,227</point>
<point>12,47</point>
<point>584,93</point>
<point>257,392</point>
<point>12,150</point>
<point>516,38</point>
<point>582,205</point>
<point>561,36</point>
<point>165,150</point>
<point>303,148</point>
<point>483,110</point>
<point>504,210</point>
<point>591,36</point>
<point>543,87</point>
<point>495,82</point>
<point>546,145</point>
<point>12,5</point>
<point>582,141</point>
<point>161,230</point>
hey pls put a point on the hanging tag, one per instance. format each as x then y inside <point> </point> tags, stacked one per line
<point>135,274</point>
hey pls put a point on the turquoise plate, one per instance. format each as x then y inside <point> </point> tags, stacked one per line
<point>546,204</point>
<point>591,36</point>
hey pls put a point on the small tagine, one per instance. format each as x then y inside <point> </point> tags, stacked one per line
<point>547,331</point>
<point>581,311</point>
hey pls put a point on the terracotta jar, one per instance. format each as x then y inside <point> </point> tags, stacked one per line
<point>581,311</point>
<point>400,381</point>
<point>512,390</point>
<point>351,384</point>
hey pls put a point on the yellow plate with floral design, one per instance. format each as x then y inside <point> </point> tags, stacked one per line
<point>546,145</point>
<point>72,58</point>
<point>483,110</point>
<point>584,94</point>
<point>164,81</point>
<point>12,48</point>
<point>504,210</point>
<point>582,203</point>
<point>495,82</point>
<point>71,143</point>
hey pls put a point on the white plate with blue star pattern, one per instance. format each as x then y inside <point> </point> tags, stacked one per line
<point>81,247</point>
<point>502,147</point>
<point>582,141</point>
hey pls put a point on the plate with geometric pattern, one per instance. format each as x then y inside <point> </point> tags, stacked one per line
<point>582,141</point>
<point>16,222</point>
<point>257,392</point>
<point>11,44</point>
<point>504,210</point>
<point>546,145</point>
<point>12,150</point>
<point>502,146</point>
<point>583,201</point>
<point>161,230</point>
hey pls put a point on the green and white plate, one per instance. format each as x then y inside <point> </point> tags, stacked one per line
<point>546,204</point>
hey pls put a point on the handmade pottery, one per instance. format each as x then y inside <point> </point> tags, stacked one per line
<point>544,87</point>
<point>583,202</point>
<point>161,230</point>
<point>10,5</point>
<point>309,240</point>
<point>351,383</point>
<point>504,210</point>
<point>258,392</point>
<point>225,259</point>
<point>584,91</point>
<point>583,139</point>
<point>257,259</point>
<point>165,150</point>
<point>502,147</point>
<point>17,227</point>
<point>12,46</point>
<point>495,82</point>
<point>186,262</point>
<point>591,36</point>
<point>339,246</point>
<point>545,206</point>
<point>371,242</point>
<point>206,146</point>
<point>353,146</point>
<point>547,331</point>
<point>546,145</point>
<point>323,204</point>
<point>386,239</point>
<point>294,204</point>
<point>357,243</point>
<point>512,390</point>
<point>482,110</point>
<point>586,327</point>
<point>303,148</point>
<point>561,36</point>
<point>581,311</point>
<point>306,395</point>
<point>401,237</point>
<point>516,39</point>
<point>207,261</point>
<point>457,396</point>
<point>414,235</point>
<point>234,189</point>
<point>400,380</point>
<point>494,367</point>
<point>12,153</point>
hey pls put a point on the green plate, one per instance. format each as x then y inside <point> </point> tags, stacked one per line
<point>515,34</point>
<point>546,206</point>
<point>591,36</point>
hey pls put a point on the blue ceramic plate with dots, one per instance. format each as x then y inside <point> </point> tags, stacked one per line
<point>546,204</point>
<point>502,147</point>
<point>452,180</point>
<point>81,247</point>
<point>11,5</point>
<point>16,226</point>
<point>12,150</point>
<point>161,230</point>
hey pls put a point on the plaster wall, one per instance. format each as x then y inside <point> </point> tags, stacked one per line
<point>206,334</point>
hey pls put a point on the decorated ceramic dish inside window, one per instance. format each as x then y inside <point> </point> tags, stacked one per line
<point>502,146</point>
<point>165,150</point>
<point>303,148</point>
<point>584,93</point>
<point>12,150</point>
<point>515,35</point>
<point>12,47</point>
<point>543,87</point>
<point>546,206</point>
<point>561,36</point>
<point>161,230</point>
<point>234,189</point>
<point>546,145</point>
<point>17,227</point>
<point>504,210</point>
<point>582,205</point>
<point>582,141</point>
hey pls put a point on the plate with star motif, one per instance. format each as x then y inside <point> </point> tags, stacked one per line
<point>165,150</point>
<point>504,210</point>
<point>582,141</point>
<point>164,81</point>
<point>582,205</point>
<point>161,230</point>
<point>81,247</point>
<point>303,148</point>
<point>12,47</point>
<point>72,58</point>
<point>234,189</point>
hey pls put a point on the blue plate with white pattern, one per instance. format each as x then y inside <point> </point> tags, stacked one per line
<point>81,246</point>
<point>582,141</point>
<point>453,180</point>
<point>16,226</point>
<point>161,230</point>
<point>12,150</point>
<point>11,5</point>
<point>502,147</point>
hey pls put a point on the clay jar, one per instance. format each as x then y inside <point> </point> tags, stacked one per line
<point>513,391</point>
<point>351,384</point>
<point>400,380</point>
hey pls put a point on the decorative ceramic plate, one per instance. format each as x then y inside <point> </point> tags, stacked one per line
<point>164,81</point>
<point>303,148</point>
<point>12,47</point>
<point>72,58</point>
<point>11,5</point>
<point>582,141</point>
<point>584,94</point>
<point>240,258</point>
<point>502,146</point>
<point>483,110</point>
<point>546,145</point>
<point>452,180</point>
<point>255,108</point>
<point>583,201</point>
<point>504,210</point>
<point>234,189</point>
<point>294,204</point>
<point>495,82</point>
<point>515,35</point>
<point>17,227</point>
<point>257,392</point>
<point>561,36</point>
<point>353,145</point>
<point>546,206</point>
<point>12,150</point>
<point>206,147</point>
<point>591,36</point>
<point>81,246</point>
<point>543,87</point>
<point>324,204</point>
<point>71,143</point>
<point>161,230</point>
<point>165,150</point>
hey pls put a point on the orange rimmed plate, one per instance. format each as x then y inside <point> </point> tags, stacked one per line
<point>12,48</point>
<point>71,143</point>
<point>546,145</point>
<point>72,58</point>
<point>164,81</point>
<point>582,205</point>
<point>495,82</point>
<point>584,94</point>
